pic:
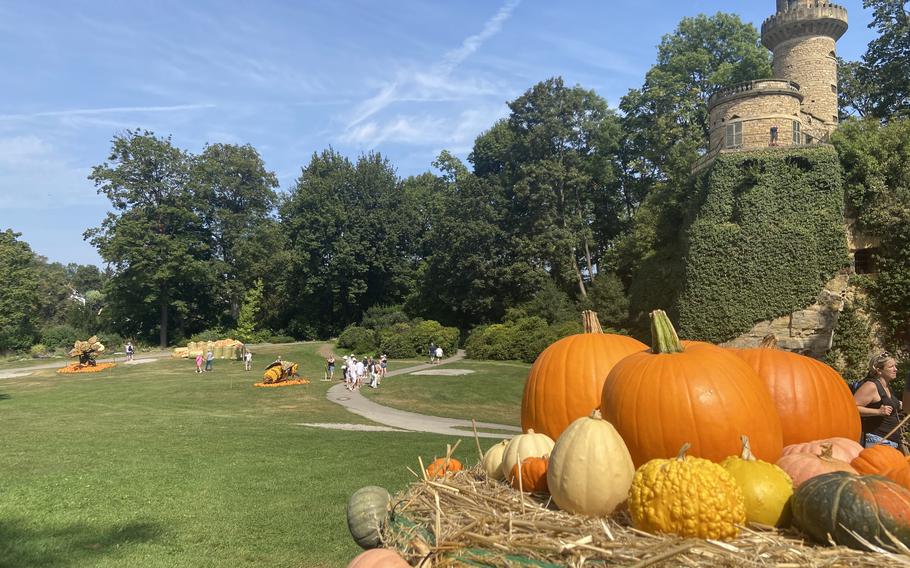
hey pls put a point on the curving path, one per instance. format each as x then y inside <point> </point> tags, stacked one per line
<point>402,420</point>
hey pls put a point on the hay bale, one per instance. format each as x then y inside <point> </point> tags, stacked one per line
<point>219,351</point>
<point>180,353</point>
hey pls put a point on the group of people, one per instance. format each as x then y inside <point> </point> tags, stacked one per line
<point>356,372</point>
<point>879,407</point>
<point>209,361</point>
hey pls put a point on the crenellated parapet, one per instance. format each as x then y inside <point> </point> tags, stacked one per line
<point>804,19</point>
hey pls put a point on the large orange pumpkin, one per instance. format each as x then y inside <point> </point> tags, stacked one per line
<point>812,399</point>
<point>565,381</point>
<point>660,399</point>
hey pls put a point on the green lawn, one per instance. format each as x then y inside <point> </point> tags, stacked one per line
<point>153,465</point>
<point>492,393</point>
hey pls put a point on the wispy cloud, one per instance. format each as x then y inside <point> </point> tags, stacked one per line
<point>432,84</point>
<point>34,174</point>
<point>103,111</point>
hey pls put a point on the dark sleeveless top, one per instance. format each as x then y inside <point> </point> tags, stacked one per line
<point>881,425</point>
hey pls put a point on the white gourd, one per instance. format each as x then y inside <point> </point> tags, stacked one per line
<point>492,461</point>
<point>529,445</point>
<point>590,470</point>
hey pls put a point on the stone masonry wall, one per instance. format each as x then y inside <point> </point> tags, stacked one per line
<point>809,62</point>
<point>759,113</point>
<point>809,331</point>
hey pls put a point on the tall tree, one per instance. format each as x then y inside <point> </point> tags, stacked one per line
<point>886,63</point>
<point>555,160</point>
<point>154,240</point>
<point>472,273</point>
<point>18,293</point>
<point>349,247</point>
<point>236,194</point>
<point>666,120</point>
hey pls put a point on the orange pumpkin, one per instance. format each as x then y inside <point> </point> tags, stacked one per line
<point>812,399</point>
<point>878,459</point>
<point>441,466</point>
<point>841,448</point>
<point>804,466</point>
<point>532,476</point>
<point>565,381</point>
<point>660,399</point>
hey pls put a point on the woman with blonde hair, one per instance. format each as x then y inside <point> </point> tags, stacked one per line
<point>877,404</point>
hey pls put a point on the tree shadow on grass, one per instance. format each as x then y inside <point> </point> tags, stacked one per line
<point>4,396</point>
<point>72,545</point>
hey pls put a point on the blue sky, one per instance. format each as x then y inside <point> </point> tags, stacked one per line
<point>407,78</point>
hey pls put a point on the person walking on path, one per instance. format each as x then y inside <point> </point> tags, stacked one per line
<point>129,350</point>
<point>438,354</point>
<point>209,360</point>
<point>432,351</point>
<point>199,362</point>
<point>248,360</point>
<point>330,368</point>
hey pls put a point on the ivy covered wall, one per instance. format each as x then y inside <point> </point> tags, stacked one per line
<point>765,231</point>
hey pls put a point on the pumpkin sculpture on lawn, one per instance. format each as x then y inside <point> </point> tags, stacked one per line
<point>566,379</point>
<point>673,394</point>
<point>812,399</point>
<point>852,507</point>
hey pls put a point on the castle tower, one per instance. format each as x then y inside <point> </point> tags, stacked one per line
<point>802,36</point>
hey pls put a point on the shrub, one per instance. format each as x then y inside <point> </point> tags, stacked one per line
<point>521,339</point>
<point>357,339</point>
<point>61,335</point>
<point>38,350</point>
<point>281,339</point>
<point>427,331</point>
<point>396,342</point>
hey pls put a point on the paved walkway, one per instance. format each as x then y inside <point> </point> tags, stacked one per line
<point>411,421</point>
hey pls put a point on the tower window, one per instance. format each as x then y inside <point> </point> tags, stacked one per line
<point>734,135</point>
<point>833,88</point>
<point>773,141</point>
<point>797,138</point>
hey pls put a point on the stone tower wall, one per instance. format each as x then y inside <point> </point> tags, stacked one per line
<point>810,62</point>
<point>758,113</point>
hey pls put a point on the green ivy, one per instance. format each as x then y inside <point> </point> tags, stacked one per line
<point>766,231</point>
<point>849,352</point>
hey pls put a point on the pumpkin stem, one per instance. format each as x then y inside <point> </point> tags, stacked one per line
<point>768,342</point>
<point>663,335</point>
<point>827,452</point>
<point>596,415</point>
<point>591,323</point>
<point>747,449</point>
<point>682,451</point>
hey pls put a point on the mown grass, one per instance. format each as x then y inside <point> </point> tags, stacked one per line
<point>491,393</point>
<point>153,465</point>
